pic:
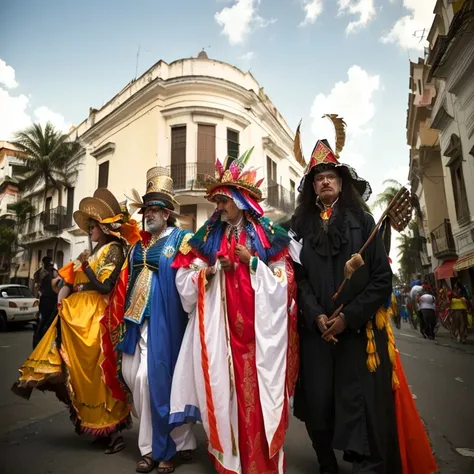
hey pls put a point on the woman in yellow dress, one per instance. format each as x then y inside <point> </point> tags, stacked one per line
<point>75,358</point>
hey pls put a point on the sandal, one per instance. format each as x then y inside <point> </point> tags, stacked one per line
<point>165,469</point>
<point>146,464</point>
<point>115,446</point>
<point>186,455</point>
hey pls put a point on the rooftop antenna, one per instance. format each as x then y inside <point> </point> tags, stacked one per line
<point>136,67</point>
<point>416,34</point>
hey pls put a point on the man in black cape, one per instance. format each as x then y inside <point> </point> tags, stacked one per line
<point>344,404</point>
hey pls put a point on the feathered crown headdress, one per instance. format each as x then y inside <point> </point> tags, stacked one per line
<point>232,173</point>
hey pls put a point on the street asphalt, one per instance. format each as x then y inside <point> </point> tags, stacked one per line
<point>36,436</point>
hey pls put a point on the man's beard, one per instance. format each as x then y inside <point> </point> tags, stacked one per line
<point>224,217</point>
<point>155,226</point>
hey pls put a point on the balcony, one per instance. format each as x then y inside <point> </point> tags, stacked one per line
<point>442,241</point>
<point>46,225</point>
<point>279,199</point>
<point>55,219</point>
<point>190,176</point>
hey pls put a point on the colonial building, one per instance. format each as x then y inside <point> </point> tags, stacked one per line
<point>182,116</point>
<point>11,173</point>
<point>441,136</point>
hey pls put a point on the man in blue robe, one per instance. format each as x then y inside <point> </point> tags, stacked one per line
<point>154,325</point>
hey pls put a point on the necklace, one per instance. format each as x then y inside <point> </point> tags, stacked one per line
<point>235,229</point>
<point>326,210</point>
<point>150,244</point>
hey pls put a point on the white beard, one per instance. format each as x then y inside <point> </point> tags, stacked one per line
<point>155,227</point>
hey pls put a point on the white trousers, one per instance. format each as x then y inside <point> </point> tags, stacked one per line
<point>135,374</point>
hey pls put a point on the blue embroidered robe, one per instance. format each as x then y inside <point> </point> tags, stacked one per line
<point>166,325</point>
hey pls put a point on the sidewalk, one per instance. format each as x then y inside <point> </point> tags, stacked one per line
<point>443,338</point>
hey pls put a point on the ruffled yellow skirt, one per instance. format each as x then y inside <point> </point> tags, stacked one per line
<point>74,370</point>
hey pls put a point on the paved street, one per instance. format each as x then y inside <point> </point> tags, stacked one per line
<point>36,436</point>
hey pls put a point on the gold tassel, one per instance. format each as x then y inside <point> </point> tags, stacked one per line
<point>373,360</point>
<point>380,318</point>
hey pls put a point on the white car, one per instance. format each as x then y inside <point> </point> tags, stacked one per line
<point>17,304</point>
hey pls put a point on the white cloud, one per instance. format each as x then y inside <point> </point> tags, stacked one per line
<point>44,115</point>
<point>15,114</point>
<point>313,9</point>
<point>248,56</point>
<point>409,30</point>
<point>237,20</point>
<point>7,75</point>
<point>352,100</point>
<point>364,8</point>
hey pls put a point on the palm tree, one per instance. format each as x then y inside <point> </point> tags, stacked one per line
<point>386,197</point>
<point>22,209</point>
<point>409,247</point>
<point>51,158</point>
<point>7,245</point>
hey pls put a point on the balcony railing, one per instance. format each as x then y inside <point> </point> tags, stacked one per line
<point>47,224</point>
<point>56,219</point>
<point>280,198</point>
<point>442,241</point>
<point>190,176</point>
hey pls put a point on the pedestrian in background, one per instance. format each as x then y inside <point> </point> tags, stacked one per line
<point>458,307</point>
<point>427,305</point>
<point>48,298</point>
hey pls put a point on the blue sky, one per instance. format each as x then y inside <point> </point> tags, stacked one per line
<point>351,57</point>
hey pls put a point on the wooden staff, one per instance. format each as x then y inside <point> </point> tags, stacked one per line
<point>398,211</point>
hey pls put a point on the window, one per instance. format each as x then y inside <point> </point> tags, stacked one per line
<point>178,156</point>
<point>206,149</point>
<point>104,174</point>
<point>454,152</point>
<point>60,259</point>
<point>188,217</point>
<point>70,206</point>
<point>233,143</point>
<point>49,253</point>
<point>49,200</point>
<point>16,292</point>
<point>271,172</point>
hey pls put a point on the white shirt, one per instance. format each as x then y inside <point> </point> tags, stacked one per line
<point>427,301</point>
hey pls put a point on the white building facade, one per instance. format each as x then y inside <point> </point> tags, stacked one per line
<point>182,116</point>
<point>451,58</point>
<point>179,116</point>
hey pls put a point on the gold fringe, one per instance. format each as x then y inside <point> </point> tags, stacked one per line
<point>373,360</point>
<point>382,321</point>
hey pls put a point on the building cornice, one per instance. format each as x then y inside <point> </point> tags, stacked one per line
<point>194,110</point>
<point>103,150</point>
<point>269,144</point>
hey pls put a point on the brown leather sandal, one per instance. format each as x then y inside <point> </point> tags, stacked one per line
<point>146,464</point>
<point>165,469</point>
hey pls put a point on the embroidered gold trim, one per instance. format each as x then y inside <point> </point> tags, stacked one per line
<point>139,296</point>
<point>185,248</point>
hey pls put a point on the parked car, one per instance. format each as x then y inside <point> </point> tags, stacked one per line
<point>17,305</point>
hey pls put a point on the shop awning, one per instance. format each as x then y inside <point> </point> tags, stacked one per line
<point>463,263</point>
<point>445,270</point>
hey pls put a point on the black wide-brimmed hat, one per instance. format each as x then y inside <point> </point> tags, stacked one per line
<point>324,158</point>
